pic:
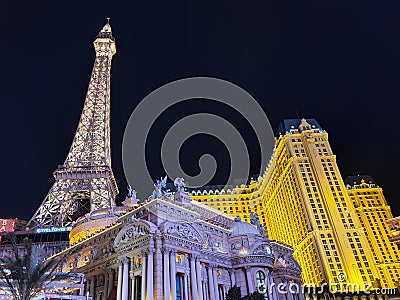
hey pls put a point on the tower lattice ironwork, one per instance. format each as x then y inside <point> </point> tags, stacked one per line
<point>85,182</point>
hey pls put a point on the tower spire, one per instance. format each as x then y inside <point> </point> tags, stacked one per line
<point>85,182</point>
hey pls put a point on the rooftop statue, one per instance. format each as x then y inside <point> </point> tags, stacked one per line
<point>159,189</point>
<point>131,193</point>
<point>254,219</point>
<point>179,183</point>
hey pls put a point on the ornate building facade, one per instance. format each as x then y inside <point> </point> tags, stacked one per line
<point>178,249</point>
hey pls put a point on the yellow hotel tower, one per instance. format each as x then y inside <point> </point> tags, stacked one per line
<point>338,230</point>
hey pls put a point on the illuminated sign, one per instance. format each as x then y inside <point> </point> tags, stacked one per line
<point>53,229</point>
<point>7,225</point>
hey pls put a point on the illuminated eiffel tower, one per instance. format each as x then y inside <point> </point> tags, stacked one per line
<point>85,182</point>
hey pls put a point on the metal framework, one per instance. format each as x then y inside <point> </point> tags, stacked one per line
<point>86,176</point>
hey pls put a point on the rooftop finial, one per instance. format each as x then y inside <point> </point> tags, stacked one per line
<point>108,20</point>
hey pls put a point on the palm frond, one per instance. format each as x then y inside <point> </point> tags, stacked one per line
<point>27,272</point>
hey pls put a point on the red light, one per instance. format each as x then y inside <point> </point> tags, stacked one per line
<point>7,225</point>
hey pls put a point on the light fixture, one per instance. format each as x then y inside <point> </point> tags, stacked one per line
<point>243,251</point>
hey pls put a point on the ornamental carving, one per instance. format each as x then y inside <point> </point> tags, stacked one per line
<point>251,259</point>
<point>239,244</point>
<point>95,253</point>
<point>184,231</point>
<point>128,234</point>
<point>213,243</point>
<point>292,264</point>
<point>262,250</point>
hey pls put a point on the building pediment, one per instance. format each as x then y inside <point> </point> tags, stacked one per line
<point>262,249</point>
<point>183,231</point>
<point>132,231</point>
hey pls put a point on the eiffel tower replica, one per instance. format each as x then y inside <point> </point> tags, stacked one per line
<point>85,182</point>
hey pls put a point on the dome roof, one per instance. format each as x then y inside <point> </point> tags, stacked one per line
<point>239,228</point>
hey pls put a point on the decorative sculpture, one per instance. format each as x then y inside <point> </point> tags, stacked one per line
<point>131,193</point>
<point>159,189</point>
<point>179,183</point>
<point>254,219</point>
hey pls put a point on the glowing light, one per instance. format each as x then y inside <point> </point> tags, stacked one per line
<point>53,229</point>
<point>243,251</point>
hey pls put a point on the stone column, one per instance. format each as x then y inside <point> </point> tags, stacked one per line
<point>132,276</point>
<point>232,277</point>
<point>133,282</point>
<point>193,282</point>
<point>216,292</point>
<point>250,285</point>
<point>172,266</point>
<point>199,279</point>
<point>158,267</point>
<point>110,282</point>
<point>166,281</point>
<point>105,286</point>
<point>211,282</point>
<point>205,294</point>
<point>272,292</point>
<point>144,267</point>
<point>92,285</point>
<point>150,275</point>
<point>125,279</point>
<point>185,285</point>
<point>119,283</point>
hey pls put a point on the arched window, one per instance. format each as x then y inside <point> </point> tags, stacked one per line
<point>261,284</point>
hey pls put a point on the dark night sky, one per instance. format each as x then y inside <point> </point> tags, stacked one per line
<point>338,62</point>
